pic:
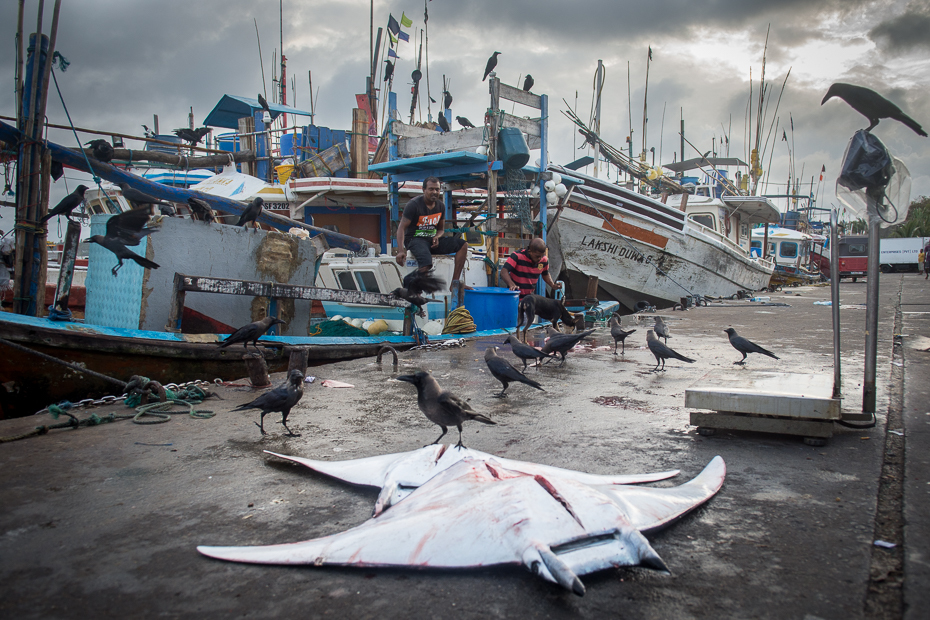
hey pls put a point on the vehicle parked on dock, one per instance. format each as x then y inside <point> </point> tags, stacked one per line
<point>853,257</point>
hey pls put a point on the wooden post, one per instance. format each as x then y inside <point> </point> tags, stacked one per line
<point>591,293</point>
<point>66,269</point>
<point>359,150</point>
<point>298,360</point>
<point>493,123</point>
<point>258,370</point>
<point>247,142</point>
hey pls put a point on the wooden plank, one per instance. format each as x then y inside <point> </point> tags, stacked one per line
<point>512,226</point>
<point>520,96</point>
<point>359,153</point>
<point>528,126</point>
<point>403,130</point>
<point>464,140</point>
<point>591,293</point>
<point>785,426</point>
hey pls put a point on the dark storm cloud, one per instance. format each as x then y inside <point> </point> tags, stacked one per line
<point>907,32</point>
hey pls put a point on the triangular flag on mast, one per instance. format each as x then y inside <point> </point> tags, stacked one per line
<point>393,38</point>
<point>393,26</point>
<point>403,36</point>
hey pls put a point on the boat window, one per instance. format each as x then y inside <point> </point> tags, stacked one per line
<point>756,244</point>
<point>367,281</point>
<point>473,237</point>
<point>704,219</point>
<point>788,249</point>
<point>346,282</point>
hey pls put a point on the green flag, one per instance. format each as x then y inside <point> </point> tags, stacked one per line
<point>405,21</point>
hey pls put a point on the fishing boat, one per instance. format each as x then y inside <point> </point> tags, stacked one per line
<point>646,250</point>
<point>791,251</point>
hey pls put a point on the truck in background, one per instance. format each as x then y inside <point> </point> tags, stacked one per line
<point>900,254</point>
<point>853,253</point>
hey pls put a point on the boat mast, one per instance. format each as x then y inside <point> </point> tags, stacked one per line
<point>596,125</point>
<point>283,83</point>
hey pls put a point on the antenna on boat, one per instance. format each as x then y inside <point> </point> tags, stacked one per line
<point>260,61</point>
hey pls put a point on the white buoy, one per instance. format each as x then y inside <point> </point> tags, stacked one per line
<point>535,191</point>
<point>482,150</point>
<point>552,198</point>
<point>561,190</point>
<point>550,186</point>
<point>556,178</point>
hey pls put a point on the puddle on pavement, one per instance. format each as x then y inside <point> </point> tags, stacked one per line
<point>621,402</point>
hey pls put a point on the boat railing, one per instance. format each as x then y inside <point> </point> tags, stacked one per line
<point>716,235</point>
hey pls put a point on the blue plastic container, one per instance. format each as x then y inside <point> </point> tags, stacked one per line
<point>512,148</point>
<point>287,144</point>
<point>492,307</point>
<point>228,142</point>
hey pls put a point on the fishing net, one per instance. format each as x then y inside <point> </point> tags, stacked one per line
<point>517,197</point>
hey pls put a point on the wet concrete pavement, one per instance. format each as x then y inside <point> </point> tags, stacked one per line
<point>104,521</point>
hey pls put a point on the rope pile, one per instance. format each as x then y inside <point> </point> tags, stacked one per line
<point>459,321</point>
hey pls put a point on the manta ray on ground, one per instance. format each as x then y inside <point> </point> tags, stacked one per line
<point>441,507</point>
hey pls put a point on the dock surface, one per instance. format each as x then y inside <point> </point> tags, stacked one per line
<point>103,522</point>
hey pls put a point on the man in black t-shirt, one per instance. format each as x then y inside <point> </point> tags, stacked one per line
<point>425,215</point>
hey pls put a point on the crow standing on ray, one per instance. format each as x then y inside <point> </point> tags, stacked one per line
<point>440,407</point>
<point>503,371</point>
<point>126,229</point>
<point>492,62</point>
<point>281,399</point>
<point>444,124</point>
<point>201,209</point>
<point>871,105</point>
<point>617,333</point>
<point>253,331</point>
<point>528,82</point>
<point>663,352</point>
<point>102,150</point>
<point>524,351</point>
<point>464,122</point>
<point>68,204</point>
<point>745,346</point>
<point>251,212</point>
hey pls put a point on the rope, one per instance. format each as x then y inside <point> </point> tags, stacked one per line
<point>459,321</point>
<point>75,367</point>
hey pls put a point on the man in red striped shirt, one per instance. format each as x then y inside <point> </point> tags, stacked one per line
<point>523,268</point>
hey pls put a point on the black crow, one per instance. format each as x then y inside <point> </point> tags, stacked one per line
<point>148,132</point>
<point>663,352</point>
<point>441,407</point>
<point>744,346</point>
<point>251,212</point>
<point>388,70</point>
<point>528,82</point>
<point>68,204</point>
<point>263,103</point>
<point>562,343</point>
<point>871,105</point>
<point>251,332</point>
<point>138,198</point>
<point>464,122</point>
<point>193,136</point>
<point>504,371</point>
<point>282,398</point>
<point>618,334</point>
<point>447,99</point>
<point>102,150</point>
<point>524,351</point>
<point>492,62</point>
<point>125,229</point>
<point>444,124</point>
<point>415,284</point>
<point>201,209</point>
<point>661,329</point>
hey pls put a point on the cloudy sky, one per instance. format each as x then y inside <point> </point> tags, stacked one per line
<point>131,59</point>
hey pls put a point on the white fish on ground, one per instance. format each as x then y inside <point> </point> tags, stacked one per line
<point>479,513</point>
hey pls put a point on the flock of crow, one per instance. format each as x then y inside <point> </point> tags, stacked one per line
<point>445,409</point>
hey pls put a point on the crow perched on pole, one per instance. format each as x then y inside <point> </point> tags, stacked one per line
<point>492,62</point>
<point>443,123</point>
<point>464,122</point>
<point>68,204</point>
<point>102,150</point>
<point>871,105</point>
<point>528,82</point>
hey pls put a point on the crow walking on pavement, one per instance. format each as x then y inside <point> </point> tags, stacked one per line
<point>524,351</point>
<point>744,346</point>
<point>663,352</point>
<point>661,329</point>
<point>562,343</point>
<point>871,105</point>
<point>441,407</point>
<point>618,334</point>
<point>251,332</point>
<point>503,371</point>
<point>281,399</point>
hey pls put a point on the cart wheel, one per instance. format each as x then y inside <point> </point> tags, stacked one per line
<point>815,441</point>
<point>705,431</point>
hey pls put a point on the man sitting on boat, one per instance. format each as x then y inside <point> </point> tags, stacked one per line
<point>427,214</point>
<point>523,268</point>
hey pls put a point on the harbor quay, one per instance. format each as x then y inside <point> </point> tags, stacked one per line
<point>104,521</point>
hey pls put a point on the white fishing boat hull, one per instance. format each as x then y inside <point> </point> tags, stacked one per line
<point>643,250</point>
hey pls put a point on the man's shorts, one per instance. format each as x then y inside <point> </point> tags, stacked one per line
<point>422,248</point>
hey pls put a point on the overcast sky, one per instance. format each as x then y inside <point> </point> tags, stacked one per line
<point>133,59</point>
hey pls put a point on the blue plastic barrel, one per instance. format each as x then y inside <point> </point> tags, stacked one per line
<point>287,144</point>
<point>228,142</point>
<point>492,307</point>
<point>512,148</point>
